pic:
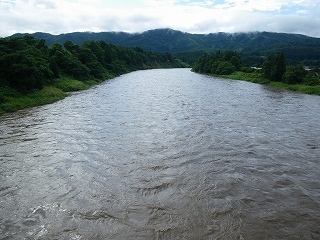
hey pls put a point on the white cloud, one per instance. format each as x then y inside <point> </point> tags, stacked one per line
<point>197,16</point>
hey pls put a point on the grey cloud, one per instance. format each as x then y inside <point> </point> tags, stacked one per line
<point>248,22</point>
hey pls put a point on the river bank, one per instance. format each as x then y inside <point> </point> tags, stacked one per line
<point>11,100</point>
<point>256,78</point>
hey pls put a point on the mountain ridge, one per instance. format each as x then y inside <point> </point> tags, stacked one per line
<point>251,45</point>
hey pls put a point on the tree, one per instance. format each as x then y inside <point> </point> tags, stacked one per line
<point>280,67</point>
<point>96,49</point>
<point>236,62</point>
<point>199,65</point>
<point>294,74</point>
<point>67,63</point>
<point>214,66</point>
<point>220,62</point>
<point>275,67</point>
<point>225,68</point>
<point>72,48</point>
<point>25,67</point>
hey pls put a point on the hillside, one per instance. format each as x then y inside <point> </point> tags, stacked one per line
<point>251,46</point>
<point>32,73</point>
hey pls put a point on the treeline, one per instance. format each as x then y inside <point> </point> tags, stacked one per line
<point>220,62</point>
<point>27,63</point>
<point>273,69</point>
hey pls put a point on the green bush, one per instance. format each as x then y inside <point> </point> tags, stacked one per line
<point>294,74</point>
<point>225,68</point>
<point>68,84</point>
<point>312,81</point>
<point>16,102</point>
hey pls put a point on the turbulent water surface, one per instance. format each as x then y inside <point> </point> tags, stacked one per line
<point>163,154</point>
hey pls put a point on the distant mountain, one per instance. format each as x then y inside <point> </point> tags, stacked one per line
<point>252,46</point>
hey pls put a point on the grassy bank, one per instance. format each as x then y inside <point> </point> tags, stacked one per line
<point>315,90</point>
<point>11,100</point>
<point>256,77</point>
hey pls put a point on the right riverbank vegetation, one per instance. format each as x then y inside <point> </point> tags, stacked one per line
<point>271,70</point>
<point>32,73</point>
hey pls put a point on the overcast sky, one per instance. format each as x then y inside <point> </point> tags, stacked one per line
<point>194,16</point>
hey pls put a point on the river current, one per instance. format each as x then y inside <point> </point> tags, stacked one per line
<point>163,154</point>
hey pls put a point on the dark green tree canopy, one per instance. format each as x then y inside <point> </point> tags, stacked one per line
<point>27,63</point>
<point>275,67</point>
<point>220,62</point>
<point>225,68</point>
<point>24,64</point>
<point>294,74</point>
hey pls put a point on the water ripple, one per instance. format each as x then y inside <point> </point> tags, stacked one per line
<point>163,154</point>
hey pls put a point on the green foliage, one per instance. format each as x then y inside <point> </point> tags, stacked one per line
<point>66,63</point>
<point>15,100</point>
<point>254,77</point>
<point>220,62</point>
<point>190,57</point>
<point>29,70</point>
<point>294,74</point>
<point>215,66</point>
<point>68,84</point>
<point>225,67</point>
<point>275,67</point>
<point>235,61</point>
<point>274,72</point>
<point>311,81</point>
<point>298,87</point>
<point>246,69</point>
<point>23,63</point>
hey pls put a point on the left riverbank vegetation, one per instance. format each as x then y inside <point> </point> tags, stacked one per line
<point>271,70</point>
<point>32,73</point>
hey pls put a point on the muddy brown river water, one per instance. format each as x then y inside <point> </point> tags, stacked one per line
<point>163,154</point>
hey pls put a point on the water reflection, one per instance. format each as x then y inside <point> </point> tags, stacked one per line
<point>163,154</point>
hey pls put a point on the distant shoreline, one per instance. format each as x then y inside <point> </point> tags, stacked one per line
<point>248,77</point>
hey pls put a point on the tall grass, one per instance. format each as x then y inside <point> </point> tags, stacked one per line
<point>14,101</point>
<point>253,77</point>
<point>302,88</point>
<point>67,84</point>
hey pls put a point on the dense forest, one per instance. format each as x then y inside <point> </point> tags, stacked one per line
<point>220,63</point>
<point>273,69</point>
<point>28,64</point>
<point>188,47</point>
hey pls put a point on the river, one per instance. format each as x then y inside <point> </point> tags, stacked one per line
<point>163,154</point>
